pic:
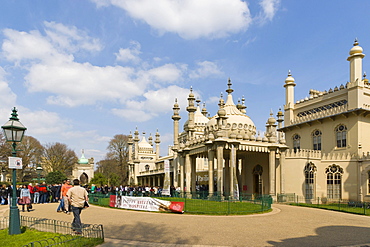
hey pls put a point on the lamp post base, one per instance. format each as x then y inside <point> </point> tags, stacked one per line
<point>14,221</point>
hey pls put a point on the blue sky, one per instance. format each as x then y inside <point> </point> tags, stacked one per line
<point>82,71</point>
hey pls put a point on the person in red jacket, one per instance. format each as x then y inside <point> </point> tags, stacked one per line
<point>43,192</point>
<point>30,188</point>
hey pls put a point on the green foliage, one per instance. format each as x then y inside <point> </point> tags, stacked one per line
<point>99,179</point>
<point>55,177</point>
<point>29,235</point>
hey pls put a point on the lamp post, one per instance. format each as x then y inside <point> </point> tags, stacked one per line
<point>39,170</point>
<point>14,131</point>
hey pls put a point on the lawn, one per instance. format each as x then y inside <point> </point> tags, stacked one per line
<point>337,207</point>
<point>208,207</point>
<point>29,235</point>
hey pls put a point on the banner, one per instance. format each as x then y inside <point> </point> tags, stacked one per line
<point>15,163</point>
<point>145,204</point>
<point>167,180</point>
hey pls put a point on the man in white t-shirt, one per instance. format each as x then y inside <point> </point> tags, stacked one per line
<point>77,196</point>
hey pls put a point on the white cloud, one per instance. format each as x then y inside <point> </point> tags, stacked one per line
<point>205,69</point>
<point>7,96</point>
<point>130,54</point>
<point>269,8</point>
<point>190,19</point>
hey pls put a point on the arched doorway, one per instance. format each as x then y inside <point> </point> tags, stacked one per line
<point>257,179</point>
<point>84,179</point>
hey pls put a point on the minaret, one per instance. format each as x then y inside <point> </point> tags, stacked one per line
<point>289,99</point>
<point>191,109</point>
<point>136,146</point>
<point>280,121</point>
<point>150,139</point>
<point>355,64</point>
<point>176,118</point>
<point>157,141</point>
<point>130,142</point>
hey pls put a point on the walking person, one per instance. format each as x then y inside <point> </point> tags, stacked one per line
<point>25,197</point>
<point>36,194</point>
<point>77,196</point>
<point>65,187</point>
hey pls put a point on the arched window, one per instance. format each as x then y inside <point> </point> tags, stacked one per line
<point>296,142</point>
<point>334,181</point>
<point>147,167</point>
<point>341,136</point>
<point>257,179</point>
<point>368,182</point>
<point>316,139</point>
<point>309,172</point>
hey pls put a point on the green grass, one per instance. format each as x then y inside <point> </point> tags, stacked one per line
<point>207,207</point>
<point>336,207</point>
<point>29,235</point>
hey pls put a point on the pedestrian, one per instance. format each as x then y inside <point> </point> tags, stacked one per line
<point>30,188</point>
<point>36,194</point>
<point>25,197</point>
<point>65,187</point>
<point>43,193</point>
<point>77,196</point>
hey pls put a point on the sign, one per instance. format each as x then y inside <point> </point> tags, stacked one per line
<point>145,204</point>
<point>15,163</point>
<point>167,180</point>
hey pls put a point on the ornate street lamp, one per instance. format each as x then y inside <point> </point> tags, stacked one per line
<point>38,170</point>
<point>14,131</point>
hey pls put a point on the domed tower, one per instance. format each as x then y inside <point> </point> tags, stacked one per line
<point>355,63</point>
<point>289,98</point>
<point>235,122</point>
<point>84,169</point>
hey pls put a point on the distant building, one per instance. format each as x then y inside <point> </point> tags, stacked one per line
<point>319,146</point>
<point>84,169</point>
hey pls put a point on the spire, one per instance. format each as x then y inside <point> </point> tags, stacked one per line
<point>356,42</point>
<point>150,138</point>
<point>221,101</point>
<point>229,90</point>
<point>204,110</point>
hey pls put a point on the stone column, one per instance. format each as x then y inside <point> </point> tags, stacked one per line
<point>188,172</point>
<point>272,171</point>
<point>282,172</point>
<point>193,163</point>
<point>220,163</point>
<point>211,157</point>
<point>182,173</point>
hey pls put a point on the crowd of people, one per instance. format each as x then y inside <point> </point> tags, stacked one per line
<point>126,190</point>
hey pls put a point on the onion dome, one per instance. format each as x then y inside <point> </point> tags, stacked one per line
<point>199,118</point>
<point>83,160</point>
<point>235,118</point>
<point>356,48</point>
<point>144,144</point>
<point>271,120</point>
<point>289,79</point>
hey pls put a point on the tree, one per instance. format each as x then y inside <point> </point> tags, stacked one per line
<point>118,151</point>
<point>5,152</point>
<point>58,157</point>
<point>31,152</point>
<point>55,177</point>
<point>99,179</point>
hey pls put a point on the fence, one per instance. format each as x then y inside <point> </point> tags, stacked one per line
<point>202,202</point>
<point>89,231</point>
<point>356,207</point>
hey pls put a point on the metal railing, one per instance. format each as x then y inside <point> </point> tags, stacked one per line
<point>89,231</point>
<point>202,202</point>
<point>349,206</point>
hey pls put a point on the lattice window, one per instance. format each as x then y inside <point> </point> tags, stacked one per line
<point>296,142</point>
<point>316,139</point>
<point>322,108</point>
<point>341,136</point>
<point>309,172</point>
<point>334,181</point>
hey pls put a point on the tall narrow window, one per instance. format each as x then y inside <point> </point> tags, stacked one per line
<point>316,139</point>
<point>334,181</point>
<point>257,177</point>
<point>341,136</point>
<point>309,172</point>
<point>296,143</point>
<point>368,182</point>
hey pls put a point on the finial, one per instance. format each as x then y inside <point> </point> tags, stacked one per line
<point>356,42</point>
<point>289,73</point>
<point>229,90</point>
<point>198,101</point>
<point>191,88</point>
<point>271,112</point>
<point>243,100</point>
<point>143,133</point>
<point>364,75</point>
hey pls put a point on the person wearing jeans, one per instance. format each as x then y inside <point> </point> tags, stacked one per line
<point>77,196</point>
<point>36,195</point>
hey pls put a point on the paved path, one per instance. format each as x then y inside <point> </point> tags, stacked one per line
<point>285,226</point>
